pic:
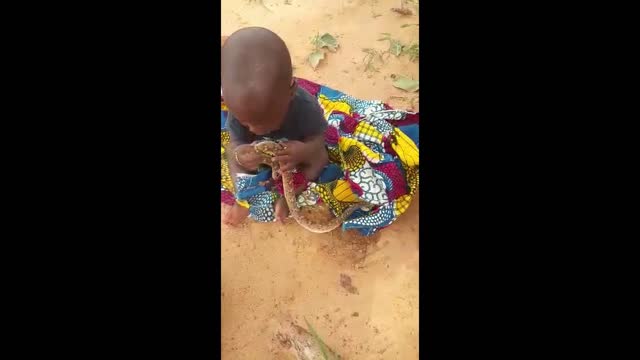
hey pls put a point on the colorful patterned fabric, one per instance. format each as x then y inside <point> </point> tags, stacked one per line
<point>374,155</point>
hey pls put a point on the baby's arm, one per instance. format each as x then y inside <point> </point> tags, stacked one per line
<point>315,126</point>
<point>313,165</point>
<point>307,152</point>
<point>234,166</point>
<point>240,153</point>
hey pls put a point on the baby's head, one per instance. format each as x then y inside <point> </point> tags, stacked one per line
<point>257,79</point>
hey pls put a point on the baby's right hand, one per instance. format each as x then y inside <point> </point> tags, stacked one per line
<point>247,157</point>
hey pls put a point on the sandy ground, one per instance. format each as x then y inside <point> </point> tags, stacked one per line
<point>275,270</point>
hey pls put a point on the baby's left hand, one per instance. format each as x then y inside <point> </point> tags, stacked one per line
<point>294,153</point>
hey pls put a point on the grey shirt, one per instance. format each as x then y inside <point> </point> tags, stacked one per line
<point>305,118</point>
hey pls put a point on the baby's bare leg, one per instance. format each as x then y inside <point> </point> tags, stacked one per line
<point>314,166</point>
<point>281,209</point>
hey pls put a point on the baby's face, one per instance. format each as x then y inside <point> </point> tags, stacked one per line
<point>259,121</point>
<point>259,124</point>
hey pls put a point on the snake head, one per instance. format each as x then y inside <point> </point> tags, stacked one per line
<point>268,147</point>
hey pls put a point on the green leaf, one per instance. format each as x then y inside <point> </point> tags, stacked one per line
<point>395,47</point>
<point>315,57</point>
<point>328,41</point>
<point>413,51</point>
<point>319,341</point>
<point>405,83</point>
<point>387,36</point>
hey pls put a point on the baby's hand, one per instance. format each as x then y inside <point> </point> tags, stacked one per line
<point>294,153</point>
<point>247,157</point>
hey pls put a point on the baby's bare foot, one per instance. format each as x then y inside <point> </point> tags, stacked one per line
<point>235,215</point>
<point>282,210</point>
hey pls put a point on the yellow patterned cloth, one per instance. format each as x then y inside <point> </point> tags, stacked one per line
<point>374,159</point>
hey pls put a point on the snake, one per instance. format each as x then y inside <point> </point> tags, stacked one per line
<point>267,149</point>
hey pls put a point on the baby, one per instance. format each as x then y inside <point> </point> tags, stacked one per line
<point>264,102</point>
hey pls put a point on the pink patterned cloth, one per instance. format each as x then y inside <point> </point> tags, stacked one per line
<point>396,176</point>
<point>311,88</point>
<point>299,180</point>
<point>227,198</point>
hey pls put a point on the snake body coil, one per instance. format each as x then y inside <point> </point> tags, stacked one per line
<point>267,150</point>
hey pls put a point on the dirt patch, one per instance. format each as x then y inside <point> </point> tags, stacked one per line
<point>345,282</point>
